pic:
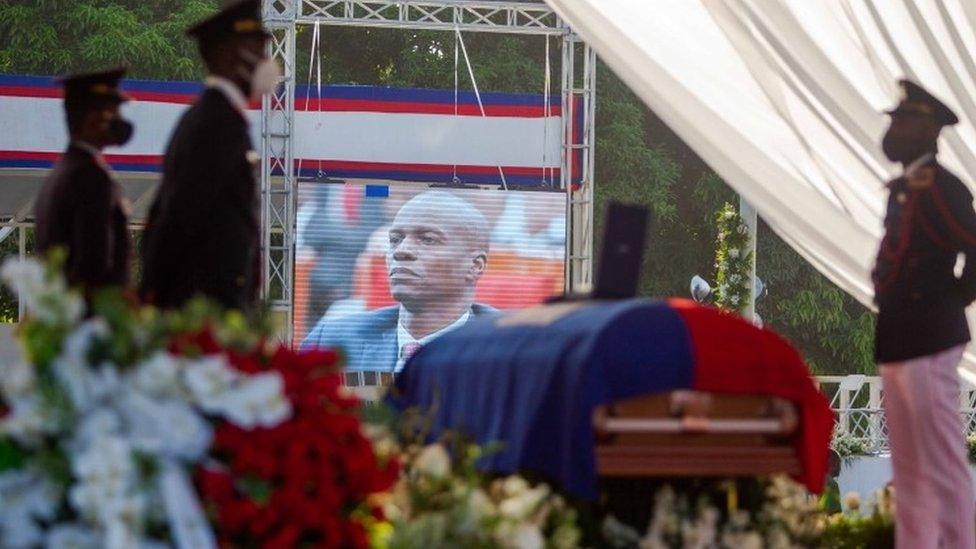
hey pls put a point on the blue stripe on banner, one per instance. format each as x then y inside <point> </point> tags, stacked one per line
<point>25,80</point>
<point>160,86</point>
<point>379,191</point>
<point>26,163</point>
<point>123,167</point>
<point>117,166</point>
<point>414,95</point>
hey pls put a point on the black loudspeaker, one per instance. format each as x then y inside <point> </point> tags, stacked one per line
<point>619,267</point>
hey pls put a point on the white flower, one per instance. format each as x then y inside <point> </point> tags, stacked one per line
<point>25,277</point>
<point>170,428</point>
<point>208,379</point>
<point>735,278</point>
<point>480,505</point>
<point>27,420</point>
<point>523,505</point>
<point>742,540</point>
<point>519,536</point>
<point>17,379</point>
<point>740,519</point>
<point>83,383</point>
<point>157,376</point>
<point>48,301</point>
<point>258,400</point>
<point>514,485</point>
<point>433,461</point>
<point>734,253</point>
<point>107,457</point>
<point>24,498</point>
<point>96,425</point>
<point>72,536</point>
<point>734,300</point>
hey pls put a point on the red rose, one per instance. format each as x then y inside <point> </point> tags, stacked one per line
<point>217,486</point>
<point>236,515</point>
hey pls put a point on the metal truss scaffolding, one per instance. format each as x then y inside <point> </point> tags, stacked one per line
<point>278,175</point>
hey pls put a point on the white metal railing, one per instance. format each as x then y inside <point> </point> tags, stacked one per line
<point>857,402</point>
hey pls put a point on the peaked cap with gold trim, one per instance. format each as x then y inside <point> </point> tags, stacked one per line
<point>917,100</point>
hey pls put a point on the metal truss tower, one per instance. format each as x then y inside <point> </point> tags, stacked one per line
<point>278,177</point>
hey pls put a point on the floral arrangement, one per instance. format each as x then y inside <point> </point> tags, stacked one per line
<point>442,501</point>
<point>733,261</point>
<point>848,445</point>
<point>785,516</point>
<point>111,419</point>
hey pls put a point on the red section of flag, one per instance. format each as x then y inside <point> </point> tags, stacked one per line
<point>733,356</point>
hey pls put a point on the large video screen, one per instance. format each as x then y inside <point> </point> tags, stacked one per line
<point>382,270</point>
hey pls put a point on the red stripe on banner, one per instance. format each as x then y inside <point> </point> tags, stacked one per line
<point>162,97</point>
<point>29,155</point>
<point>55,93</point>
<point>147,159</point>
<point>422,168</point>
<point>144,159</point>
<point>28,91</point>
<point>404,107</point>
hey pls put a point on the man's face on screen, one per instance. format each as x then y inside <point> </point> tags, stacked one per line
<point>429,260</point>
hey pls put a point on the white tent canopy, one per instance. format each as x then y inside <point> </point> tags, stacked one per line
<point>783,99</point>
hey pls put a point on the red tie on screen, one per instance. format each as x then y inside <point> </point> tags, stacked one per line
<point>409,350</point>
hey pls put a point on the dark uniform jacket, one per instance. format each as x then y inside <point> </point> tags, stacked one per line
<point>921,302</point>
<point>202,236</point>
<point>82,209</point>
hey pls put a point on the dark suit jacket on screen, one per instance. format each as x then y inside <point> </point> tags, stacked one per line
<point>368,339</point>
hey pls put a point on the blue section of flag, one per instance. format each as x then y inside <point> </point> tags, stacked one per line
<point>534,384</point>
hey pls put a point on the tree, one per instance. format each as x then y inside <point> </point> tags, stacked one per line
<point>638,159</point>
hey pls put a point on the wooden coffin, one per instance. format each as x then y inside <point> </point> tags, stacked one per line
<point>691,434</point>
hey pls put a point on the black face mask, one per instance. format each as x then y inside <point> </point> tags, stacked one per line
<point>905,149</point>
<point>120,130</point>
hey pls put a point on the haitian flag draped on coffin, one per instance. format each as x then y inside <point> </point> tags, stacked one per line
<point>532,379</point>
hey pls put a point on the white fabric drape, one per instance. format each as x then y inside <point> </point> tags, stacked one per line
<point>784,100</point>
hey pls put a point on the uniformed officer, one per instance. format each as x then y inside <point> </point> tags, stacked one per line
<point>922,329</point>
<point>202,236</point>
<point>81,207</point>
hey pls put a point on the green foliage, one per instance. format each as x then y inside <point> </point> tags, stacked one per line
<point>856,532</point>
<point>65,36</point>
<point>11,455</point>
